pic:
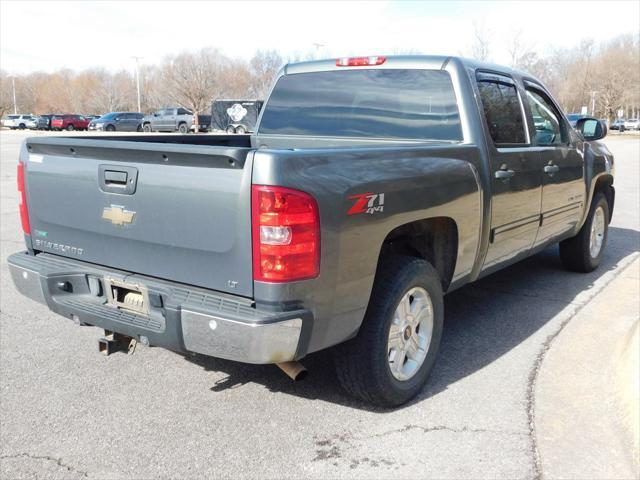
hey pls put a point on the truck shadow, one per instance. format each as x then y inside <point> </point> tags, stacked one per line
<point>483,322</point>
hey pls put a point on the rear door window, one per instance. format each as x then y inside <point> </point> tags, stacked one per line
<point>502,110</point>
<point>374,103</point>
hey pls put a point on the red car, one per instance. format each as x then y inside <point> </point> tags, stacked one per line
<point>69,122</point>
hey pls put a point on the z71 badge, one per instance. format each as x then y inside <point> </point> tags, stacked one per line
<point>367,203</point>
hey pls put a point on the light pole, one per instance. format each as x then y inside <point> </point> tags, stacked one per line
<point>137,81</point>
<point>318,47</point>
<point>15,105</point>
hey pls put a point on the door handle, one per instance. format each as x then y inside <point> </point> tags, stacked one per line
<point>551,169</point>
<point>115,177</point>
<point>504,174</point>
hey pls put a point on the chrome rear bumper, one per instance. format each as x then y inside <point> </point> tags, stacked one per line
<point>180,317</point>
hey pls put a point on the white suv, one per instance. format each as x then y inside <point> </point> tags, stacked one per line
<point>632,124</point>
<point>19,121</point>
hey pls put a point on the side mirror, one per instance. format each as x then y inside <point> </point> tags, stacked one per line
<point>591,129</point>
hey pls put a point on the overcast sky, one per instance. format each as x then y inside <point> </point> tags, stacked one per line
<point>52,35</point>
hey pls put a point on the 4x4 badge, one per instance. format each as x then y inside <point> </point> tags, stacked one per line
<point>118,215</point>
<point>367,203</point>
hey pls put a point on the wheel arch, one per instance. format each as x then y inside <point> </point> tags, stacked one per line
<point>604,184</point>
<point>433,239</point>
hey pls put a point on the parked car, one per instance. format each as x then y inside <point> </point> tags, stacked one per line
<point>69,122</point>
<point>235,116</point>
<point>632,124</point>
<point>174,119</point>
<point>203,123</point>
<point>118,121</point>
<point>372,186</point>
<point>18,121</point>
<point>44,121</point>
<point>617,124</point>
<point>574,117</point>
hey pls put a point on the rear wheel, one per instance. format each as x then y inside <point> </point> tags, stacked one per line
<point>231,129</point>
<point>240,129</point>
<point>183,129</point>
<point>583,253</point>
<point>70,127</point>
<point>146,127</point>
<point>388,362</point>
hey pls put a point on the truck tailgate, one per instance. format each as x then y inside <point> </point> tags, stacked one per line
<point>174,211</point>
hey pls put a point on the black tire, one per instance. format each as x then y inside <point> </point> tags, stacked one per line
<point>240,129</point>
<point>183,128</point>
<point>70,127</point>
<point>575,252</point>
<point>22,126</point>
<point>110,128</point>
<point>362,363</point>
<point>146,128</point>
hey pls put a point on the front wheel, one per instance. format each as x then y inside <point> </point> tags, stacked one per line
<point>146,127</point>
<point>110,128</point>
<point>583,253</point>
<point>183,129</point>
<point>388,362</point>
<point>70,128</point>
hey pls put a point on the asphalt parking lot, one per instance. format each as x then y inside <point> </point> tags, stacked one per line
<point>68,412</point>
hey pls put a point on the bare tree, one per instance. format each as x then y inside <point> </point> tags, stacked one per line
<point>264,66</point>
<point>6,91</point>
<point>481,42</point>
<point>192,79</point>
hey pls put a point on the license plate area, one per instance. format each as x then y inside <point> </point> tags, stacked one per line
<point>127,296</point>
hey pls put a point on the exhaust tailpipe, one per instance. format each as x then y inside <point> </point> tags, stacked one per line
<point>295,370</point>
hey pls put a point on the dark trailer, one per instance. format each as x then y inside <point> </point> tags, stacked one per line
<point>235,116</point>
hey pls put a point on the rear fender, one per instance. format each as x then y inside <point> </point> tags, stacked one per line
<point>364,194</point>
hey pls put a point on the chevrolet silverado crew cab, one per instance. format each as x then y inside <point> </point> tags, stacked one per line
<point>175,119</point>
<point>371,187</point>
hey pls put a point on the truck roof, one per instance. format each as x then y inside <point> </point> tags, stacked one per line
<point>404,61</point>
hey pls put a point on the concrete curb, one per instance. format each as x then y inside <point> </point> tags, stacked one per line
<point>586,395</point>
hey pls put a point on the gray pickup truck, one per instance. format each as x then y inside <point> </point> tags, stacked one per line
<point>174,119</point>
<point>372,187</point>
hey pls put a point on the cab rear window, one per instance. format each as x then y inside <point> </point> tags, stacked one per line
<point>375,103</point>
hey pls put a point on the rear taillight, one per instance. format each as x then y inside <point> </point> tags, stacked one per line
<point>360,61</point>
<point>286,234</point>
<point>24,212</point>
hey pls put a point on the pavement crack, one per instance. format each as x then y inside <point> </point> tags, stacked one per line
<point>439,428</point>
<point>48,458</point>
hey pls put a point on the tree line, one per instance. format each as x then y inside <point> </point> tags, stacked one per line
<point>604,77</point>
<point>188,79</point>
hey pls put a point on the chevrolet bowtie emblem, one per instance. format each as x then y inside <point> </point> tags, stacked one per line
<point>118,215</point>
